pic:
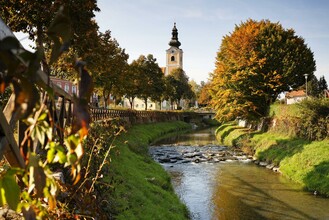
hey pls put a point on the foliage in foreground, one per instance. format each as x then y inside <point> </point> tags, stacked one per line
<point>43,148</point>
<point>255,63</point>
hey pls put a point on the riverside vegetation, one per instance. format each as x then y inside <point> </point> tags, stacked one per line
<point>130,185</point>
<point>296,141</point>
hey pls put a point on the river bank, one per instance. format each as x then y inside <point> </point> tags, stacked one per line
<point>140,187</point>
<point>304,162</point>
<point>228,184</point>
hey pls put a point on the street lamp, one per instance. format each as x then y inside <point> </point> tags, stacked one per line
<point>306,75</point>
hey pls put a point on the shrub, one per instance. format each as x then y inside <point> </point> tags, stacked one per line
<point>314,120</point>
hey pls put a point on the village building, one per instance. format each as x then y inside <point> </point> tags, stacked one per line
<point>66,85</point>
<point>295,96</point>
<point>72,89</point>
<point>174,60</point>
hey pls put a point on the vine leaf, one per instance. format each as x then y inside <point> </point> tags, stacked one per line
<point>9,191</point>
<point>26,95</point>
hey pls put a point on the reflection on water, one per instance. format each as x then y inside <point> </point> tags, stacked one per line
<point>246,191</point>
<point>192,183</point>
<point>235,190</point>
<point>197,138</point>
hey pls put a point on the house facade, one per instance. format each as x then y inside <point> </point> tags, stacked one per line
<point>295,96</point>
<point>66,85</point>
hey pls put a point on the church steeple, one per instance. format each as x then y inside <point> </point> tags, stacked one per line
<point>174,39</point>
<point>174,53</point>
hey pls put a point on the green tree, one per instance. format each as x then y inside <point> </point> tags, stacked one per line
<point>178,87</point>
<point>255,63</point>
<point>196,89</point>
<point>323,84</point>
<point>130,89</point>
<point>150,79</point>
<point>313,88</point>
<point>112,64</point>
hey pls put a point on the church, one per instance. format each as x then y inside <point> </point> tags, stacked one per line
<point>174,54</point>
<point>174,60</point>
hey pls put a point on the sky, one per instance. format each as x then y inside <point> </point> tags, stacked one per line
<point>144,27</point>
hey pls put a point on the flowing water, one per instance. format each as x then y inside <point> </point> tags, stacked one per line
<point>233,189</point>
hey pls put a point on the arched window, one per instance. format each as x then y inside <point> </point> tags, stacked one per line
<point>172,58</point>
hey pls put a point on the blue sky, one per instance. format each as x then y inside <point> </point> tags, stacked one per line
<point>144,27</point>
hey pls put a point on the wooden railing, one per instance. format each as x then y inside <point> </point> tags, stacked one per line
<point>133,116</point>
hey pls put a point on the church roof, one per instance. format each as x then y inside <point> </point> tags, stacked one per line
<point>174,42</point>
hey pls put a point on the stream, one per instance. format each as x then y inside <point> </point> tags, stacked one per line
<point>217,183</point>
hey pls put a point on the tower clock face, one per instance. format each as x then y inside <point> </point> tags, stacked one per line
<point>172,51</point>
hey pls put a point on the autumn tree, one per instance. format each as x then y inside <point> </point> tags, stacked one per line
<point>255,63</point>
<point>204,97</point>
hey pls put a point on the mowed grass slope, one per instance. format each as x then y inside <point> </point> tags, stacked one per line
<point>303,161</point>
<point>141,189</point>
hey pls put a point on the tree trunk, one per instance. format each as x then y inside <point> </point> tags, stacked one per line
<point>145,101</point>
<point>131,101</point>
<point>106,97</point>
<point>178,104</point>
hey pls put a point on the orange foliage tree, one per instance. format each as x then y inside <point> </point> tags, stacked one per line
<point>255,63</point>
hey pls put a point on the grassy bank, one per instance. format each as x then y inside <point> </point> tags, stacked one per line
<point>141,189</point>
<point>303,161</point>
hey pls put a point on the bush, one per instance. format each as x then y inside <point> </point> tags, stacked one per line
<point>314,120</point>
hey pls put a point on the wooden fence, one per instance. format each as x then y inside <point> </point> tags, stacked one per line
<point>133,116</point>
<point>60,108</point>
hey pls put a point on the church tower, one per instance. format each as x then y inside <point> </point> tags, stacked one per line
<point>174,54</point>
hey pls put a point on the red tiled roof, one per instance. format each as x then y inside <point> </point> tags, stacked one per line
<point>298,93</point>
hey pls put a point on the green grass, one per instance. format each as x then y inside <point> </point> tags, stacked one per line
<point>310,166</point>
<point>273,147</point>
<point>141,189</point>
<point>302,161</point>
<point>282,110</point>
<point>231,134</point>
